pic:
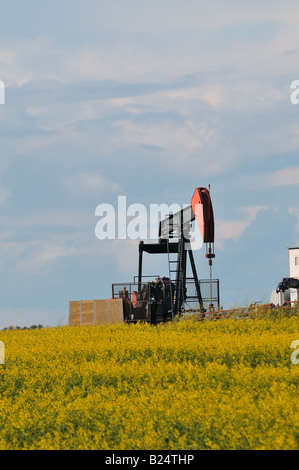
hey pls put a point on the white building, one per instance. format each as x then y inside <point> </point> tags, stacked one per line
<point>294,262</point>
<point>294,271</point>
<point>291,294</point>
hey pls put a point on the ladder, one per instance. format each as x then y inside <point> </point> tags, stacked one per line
<point>171,272</point>
<point>176,273</point>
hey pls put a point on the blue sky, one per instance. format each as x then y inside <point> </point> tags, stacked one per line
<point>147,100</point>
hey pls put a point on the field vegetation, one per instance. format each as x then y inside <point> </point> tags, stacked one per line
<point>190,384</point>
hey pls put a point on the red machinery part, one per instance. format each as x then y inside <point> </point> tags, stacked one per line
<point>134,298</point>
<point>204,215</point>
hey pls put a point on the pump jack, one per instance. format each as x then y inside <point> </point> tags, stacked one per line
<point>165,297</point>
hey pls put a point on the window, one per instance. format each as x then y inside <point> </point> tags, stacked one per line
<point>296,260</point>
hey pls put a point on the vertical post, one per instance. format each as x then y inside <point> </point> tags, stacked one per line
<point>181,273</point>
<point>120,310</point>
<point>211,286</point>
<point>170,280</point>
<point>141,243</point>
<point>2,353</point>
<point>149,309</point>
<point>107,310</point>
<point>196,280</point>
<point>180,267</point>
<point>177,286</point>
<point>80,312</point>
<point>184,258</point>
<point>281,298</point>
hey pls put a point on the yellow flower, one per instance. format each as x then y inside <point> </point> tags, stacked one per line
<point>225,384</point>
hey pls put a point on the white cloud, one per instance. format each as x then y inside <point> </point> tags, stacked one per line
<point>160,43</point>
<point>5,194</point>
<point>213,95</point>
<point>295,212</point>
<point>126,254</point>
<point>175,99</point>
<point>283,177</point>
<point>233,229</point>
<point>46,218</point>
<point>31,255</point>
<point>90,183</point>
<point>56,115</point>
<point>181,145</point>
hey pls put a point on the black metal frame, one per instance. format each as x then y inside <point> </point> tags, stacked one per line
<point>178,226</point>
<point>145,311</point>
<point>147,307</point>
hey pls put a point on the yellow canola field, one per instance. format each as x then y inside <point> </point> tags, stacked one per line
<point>225,384</point>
